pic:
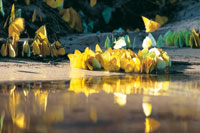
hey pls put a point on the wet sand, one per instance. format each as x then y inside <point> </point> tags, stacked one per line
<point>186,61</point>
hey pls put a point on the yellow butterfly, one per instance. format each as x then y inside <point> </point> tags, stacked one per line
<point>54,3</point>
<point>42,30</point>
<point>12,15</point>
<point>61,49</point>
<point>34,15</point>
<point>40,14</point>
<point>93,3</point>
<point>27,2</point>
<point>26,49</point>
<point>45,49</point>
<point>161,19</point>
<point>150,25</point>
<point>196,38</point>
<point>4,51</point>
<point>15,28</point>
<point>36,48</point>
<point>73,18</point>
<point>11,51</point>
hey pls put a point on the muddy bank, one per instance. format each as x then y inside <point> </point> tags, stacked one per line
<point>27,70</point>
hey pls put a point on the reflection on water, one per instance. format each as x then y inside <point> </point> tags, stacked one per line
<point>121,86</point>
<point>138,103</point>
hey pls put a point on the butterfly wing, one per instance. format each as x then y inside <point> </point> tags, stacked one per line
<point>16,27</point>
<point>153,26</point>
<point>150,25</point>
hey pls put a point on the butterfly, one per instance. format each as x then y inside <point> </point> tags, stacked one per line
<point>161,19</point>
<point>93,3</point>
<point>4,51</point>
<point>150,25</point>
<point>55,3</point>
<point>26,49</point>
<point>15,28</point>
<point>12,52</point>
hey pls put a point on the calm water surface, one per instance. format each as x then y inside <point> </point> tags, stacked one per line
<point>116,104</point>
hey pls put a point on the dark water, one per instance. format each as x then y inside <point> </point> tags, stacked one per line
<point>118,104</point>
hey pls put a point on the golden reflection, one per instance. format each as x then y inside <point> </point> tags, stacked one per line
<point>93,114</point>
<point>120,86</point>
<point>120,99</point>
<point>54,115</point>
<point>34,97</point>
<point>12,88</point>
<point>28,102</point>
<point>16,111</point>
<point>146,105</point>
<point>141,84</point>
<point>19,119</point>
<point>151,125</point>
<point>41,98</point>
<point>2,120</point>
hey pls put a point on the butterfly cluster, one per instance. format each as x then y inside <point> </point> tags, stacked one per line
<point>115,84</point>
<point>145,61</point>
<point>120,42</point>
<point>16,27</point>
<point>40,45</point>
<point>182,38</point>
<point>125,42</point>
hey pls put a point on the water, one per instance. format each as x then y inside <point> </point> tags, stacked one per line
<point>118,104</point>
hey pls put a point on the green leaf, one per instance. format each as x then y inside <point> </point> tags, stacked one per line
<point>124,47</point>
<point>152,39</point>
<point>18,13</point>
<point>61,5</point>
<point>181,41</point>
<point>187,38</point>
<point>151,55</point>
<point>160,41</point>
<point>29,52</point>
<point>169,62</point>
<point>176,40</point>
<point>169,39</point>
<point>113,39</point>
<point>107,14</point>
<point>191,41</point>
<point>105,56</point>
<point>173,35</point>
<point>1,8</point>
<point>134,43</point>
<point>107,43</point>
<point>95,63</point>
<point>186,35</point>
<point>145,53</point>
<point>51,51</point>
<point>169,33</point>
<point>160,64</point>
<point>120,30</point>
<point>128,42</point>
<point>88,28</point>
